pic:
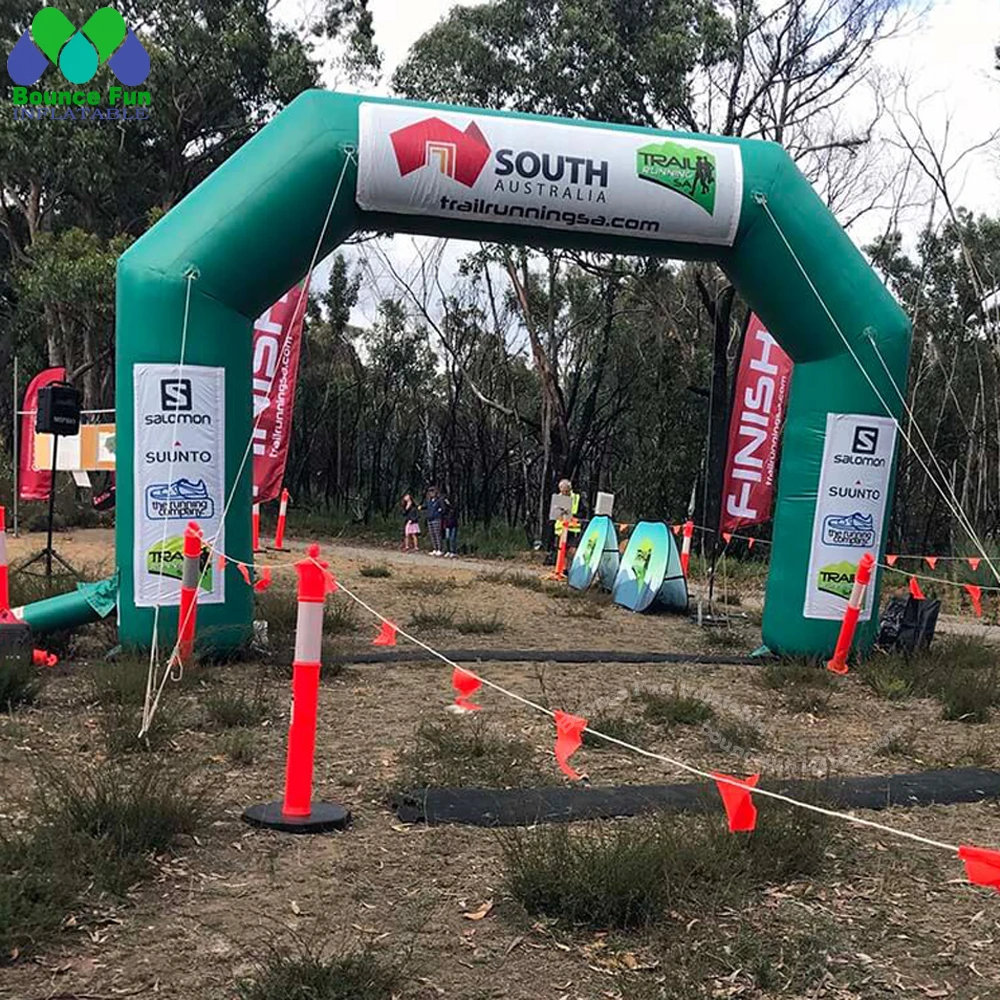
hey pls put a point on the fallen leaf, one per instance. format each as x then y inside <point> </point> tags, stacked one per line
<point>482,911</point>
<point>296,909</point>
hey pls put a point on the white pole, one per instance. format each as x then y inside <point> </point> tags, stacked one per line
<point>17,457</point>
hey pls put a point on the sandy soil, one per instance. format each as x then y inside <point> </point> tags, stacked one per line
<point>906,923</point>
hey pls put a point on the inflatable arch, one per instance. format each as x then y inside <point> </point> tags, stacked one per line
<point>331,164</point>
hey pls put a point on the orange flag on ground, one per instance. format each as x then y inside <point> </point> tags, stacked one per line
<point>981,865</point>
<point>931,561</point>
<point>974,562</point>
<point>740,809</point>
<point>976,594</point>
<point>466,685</point>
<point>915,590</point>
<point>569,736</point>
<point>891,560</point>
<point>387,636</point>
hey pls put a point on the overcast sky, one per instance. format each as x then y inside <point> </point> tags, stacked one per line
<point>948,61</point>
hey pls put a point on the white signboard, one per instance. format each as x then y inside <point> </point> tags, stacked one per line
<point>850,509</point>
<point>180,476</point>
<point>484,168</point>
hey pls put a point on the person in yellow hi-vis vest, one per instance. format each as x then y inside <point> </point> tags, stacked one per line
<point>568,523</point>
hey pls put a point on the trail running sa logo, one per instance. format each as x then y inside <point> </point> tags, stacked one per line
<point>837,579</point>
<point>167,559</point>
<point>851,530</point>
<point>104,38</point>
<point>689,171</point>
<point>456,154</point>
<point>180,500</point>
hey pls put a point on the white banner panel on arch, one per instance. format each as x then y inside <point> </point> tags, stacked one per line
<point>482,168</point>
<point>180,476</point>
<point>850,509</point>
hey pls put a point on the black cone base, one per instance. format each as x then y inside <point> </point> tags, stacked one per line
<point>325,816</point>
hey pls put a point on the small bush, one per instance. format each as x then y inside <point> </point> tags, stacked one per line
<point>305,974</point>
<point>737,733</point>
<point>808,702</point>
<point>591,611</point>
<point>426,587</point>
<point>620,726</point>
<point>375,572</point>
<point>20,683</point>
<point>523,580</point>
<point>675,708</point>
<point>278,607</point>
<point>120,725</point>
<point>631,874</point>
<point>240,746</point>
<point>968,695</point>
<point>781,674</point>
<point>339,616</point>
<point>242,708</point>
<point>477,625</point>
<point>120,682</point>
<point>467,753</point>
<point>442,617</point>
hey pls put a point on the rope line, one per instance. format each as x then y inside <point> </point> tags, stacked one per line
<point>682,765</point>
<point>956,509</point>
<point>174,657</point>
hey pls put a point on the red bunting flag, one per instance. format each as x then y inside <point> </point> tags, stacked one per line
<point>387,636</point>
<point>740,809</point>
<point>263,581</point>
<point>915,592</point>
<point>220,564</point>
<point>976,594</point>
<point>244,572</point>
<point>974,562</point>
<point>750,542</point>
<point>981,865</point>
<point>466,684</point>
<point>727,537</point>
<point>891,560</point>
<point>330,582</point>
<point>931,561</point>
<point>675,528</point>
<point>569,736</point>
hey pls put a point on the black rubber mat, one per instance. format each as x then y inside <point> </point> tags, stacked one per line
<point>547,656</point>
<point>525,806</point>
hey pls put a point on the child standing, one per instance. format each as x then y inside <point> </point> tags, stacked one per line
<point>435,515</point>
<point>450,522</point>
<point>411,524</point>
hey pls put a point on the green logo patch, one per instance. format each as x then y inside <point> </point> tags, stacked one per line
<point>689,171</point>
<point>167,559</point>
<point>837,579</point>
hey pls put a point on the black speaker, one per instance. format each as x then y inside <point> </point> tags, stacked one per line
<point>58,410</point>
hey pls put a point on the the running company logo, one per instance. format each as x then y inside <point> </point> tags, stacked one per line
<point>166,559</point>
<point>456,154</point>
<point>180,500</point>
<point>687,170</point>
<point>851,530</point>
<point>52,38</point>
<point>837,579</point>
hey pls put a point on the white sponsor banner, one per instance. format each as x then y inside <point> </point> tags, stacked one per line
<point>576,178</point>
<point>850,509</point>
<point>180,476</point>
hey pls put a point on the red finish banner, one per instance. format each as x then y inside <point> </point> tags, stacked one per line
<point>34,485</point>
<point>759,403</point>
<point>277,341</point>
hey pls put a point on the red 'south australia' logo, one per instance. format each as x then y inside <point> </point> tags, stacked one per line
<point>460,155</point>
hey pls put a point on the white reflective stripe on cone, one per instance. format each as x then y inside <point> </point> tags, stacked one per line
<point>309,633</point>
<point>190,574</point>
<point>857,595</point>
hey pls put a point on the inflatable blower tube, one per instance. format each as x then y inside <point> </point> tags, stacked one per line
<point>88,603</point>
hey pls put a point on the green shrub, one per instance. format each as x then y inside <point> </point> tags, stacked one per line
<point>780,674</point>
<point>615,724</point>
<point>523,580</point>
<point>432,618</point>
<point>375,572</point>
<point>480,625</point>
<point>119,682</point>
<point>20,683</point>
<point>240,746</point>
<point>240,708</point>
<point>675,708</point>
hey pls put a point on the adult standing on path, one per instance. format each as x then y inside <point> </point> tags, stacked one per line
<point>435,507</point>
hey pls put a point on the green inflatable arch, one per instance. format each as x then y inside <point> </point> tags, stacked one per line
<point>193,286</point>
